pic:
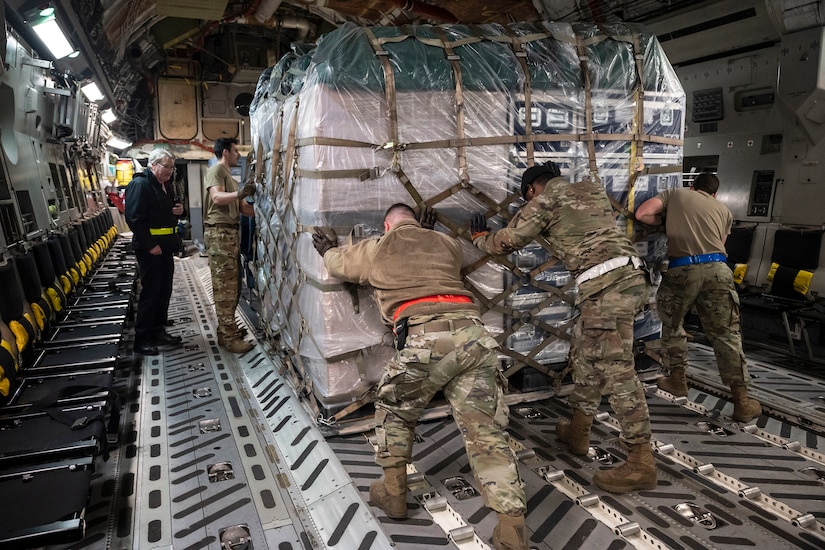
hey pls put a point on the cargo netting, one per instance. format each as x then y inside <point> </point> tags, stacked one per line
<point>449,117</point>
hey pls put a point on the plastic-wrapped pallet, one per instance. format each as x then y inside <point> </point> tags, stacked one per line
<point>448,117</point>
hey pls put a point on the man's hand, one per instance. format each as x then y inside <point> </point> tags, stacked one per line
<point>478,225</point>
<point>177,210</point>
<point>248,189</point>
<point>324,240</point>
<point>427,217</point>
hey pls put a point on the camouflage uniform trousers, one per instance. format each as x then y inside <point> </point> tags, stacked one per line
<point>462,363</point>
<point>710,288</point>
<point>602,359</point>
<point>223,247</point>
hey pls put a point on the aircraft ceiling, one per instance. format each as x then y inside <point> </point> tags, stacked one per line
<point>127,44</point>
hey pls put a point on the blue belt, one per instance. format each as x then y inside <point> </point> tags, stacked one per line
<point>700,259</point>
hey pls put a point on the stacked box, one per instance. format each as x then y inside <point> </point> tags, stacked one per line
<point>371,117</point>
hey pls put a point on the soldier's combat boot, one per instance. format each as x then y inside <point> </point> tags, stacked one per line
<point>744,407</point>
<point>576,433</point>
<point>676,383</point>
<point>390,494</point>
<point>510,533</point>
<point>236,345</point>
<point>637,473</point>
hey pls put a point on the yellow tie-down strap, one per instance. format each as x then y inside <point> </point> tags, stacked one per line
<point>163,230</point>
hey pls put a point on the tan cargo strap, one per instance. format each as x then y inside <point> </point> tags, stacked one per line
<point>620,208</point>
<point>664,169</point>
<point>636,147</point>
<point>291,153</point>
<point>326,287</point>
<point>506,140</point>
<point>521,55</point>
<point>588,104</point>
<point>389,79</point>
<point>405,181</point>
<point>488,140</point>
<point>358,230</point>
<point>362,174</point>
<point>257,166</point>
<point>335,142</point>
<point>454,59</point>
<point>365,399</point>
<point>276,145</point>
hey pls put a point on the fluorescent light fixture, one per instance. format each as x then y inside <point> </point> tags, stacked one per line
<point>92,92</point>
<point>47,11</point>
<point>108,116</point>
<point>49,32</point>
<point>117,143</point>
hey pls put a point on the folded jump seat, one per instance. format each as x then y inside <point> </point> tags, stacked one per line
<point>63,260</point>
<point>39,359</point>
<point>45,505</point>
<point>43,433</point>
<point>59,406</point>
<point>51,430</point>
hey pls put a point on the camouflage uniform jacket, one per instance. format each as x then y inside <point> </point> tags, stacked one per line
<point>408,262</point>
<point>578,223</point>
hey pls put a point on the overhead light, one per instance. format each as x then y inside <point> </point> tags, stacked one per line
<point>47,11</point>
<point>74,54</point>
<point>118,143</point>
<point>108,116</point>
<point>92,92</point>
<point>52,36</point>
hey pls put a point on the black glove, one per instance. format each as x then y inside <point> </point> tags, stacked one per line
<point>427,217</point>
<point>478,225</point>
<point>248,189</point>
<point>323,241</point>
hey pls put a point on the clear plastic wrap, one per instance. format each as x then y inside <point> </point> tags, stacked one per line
<point>449,116</point>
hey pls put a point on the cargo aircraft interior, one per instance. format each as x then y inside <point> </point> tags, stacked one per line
<point>339,109</point>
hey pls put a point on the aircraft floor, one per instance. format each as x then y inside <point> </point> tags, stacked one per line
<point>218,451</point>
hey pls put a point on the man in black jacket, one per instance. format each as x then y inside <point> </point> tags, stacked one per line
<point>152,212</point>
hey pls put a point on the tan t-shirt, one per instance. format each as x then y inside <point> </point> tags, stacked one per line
<point>229,213</point>
<point>696,223</point>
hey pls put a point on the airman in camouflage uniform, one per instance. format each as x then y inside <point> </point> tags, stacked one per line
<point>442,345</point>
<point>697,226</point>
<point>223,205</point>
<point>578,223</point>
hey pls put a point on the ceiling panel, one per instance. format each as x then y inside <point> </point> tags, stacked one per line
<point>192,9</point>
